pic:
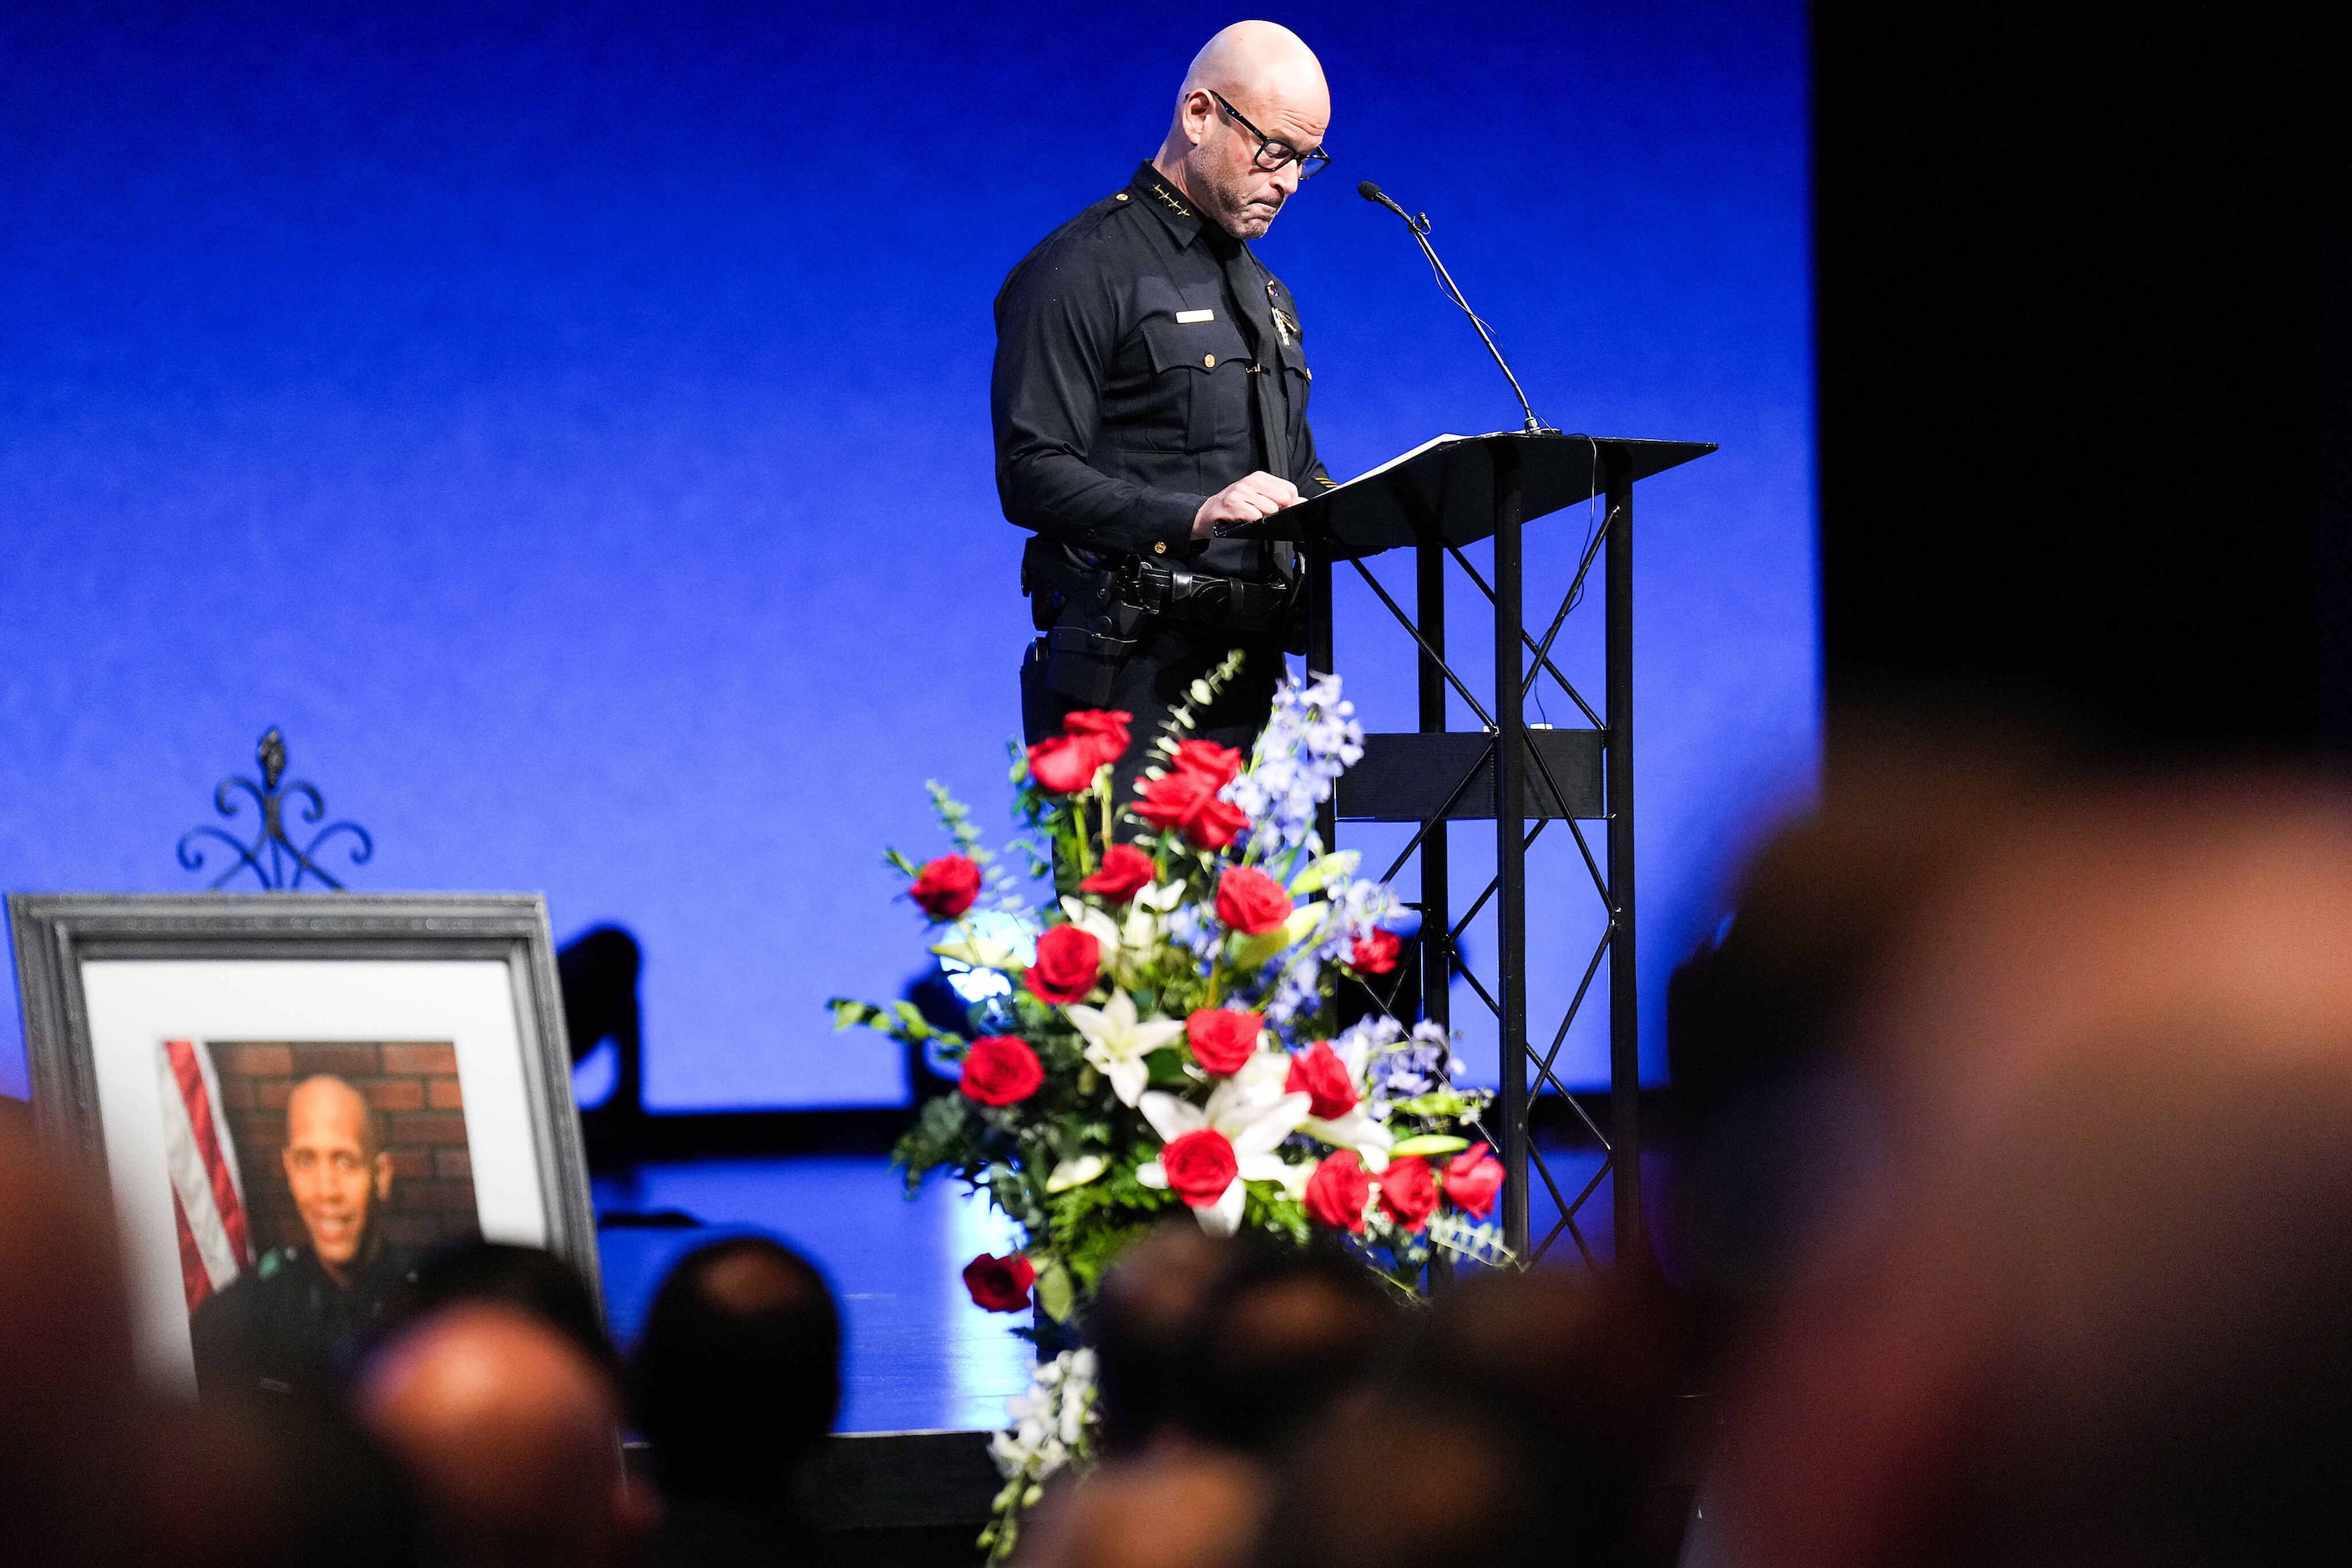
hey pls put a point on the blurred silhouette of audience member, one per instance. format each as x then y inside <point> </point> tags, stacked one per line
<point>530,1279</point>
<point>1182,1505</point>
<point>512,1434</point>
<point>71,1420</point>
<point>1212,1358</point>
<point>282,1480</point>
<point>91,1471</point>
<point>735,1381</point>
<point>1772,1111</point>
<point>1284,1336</point>
<point>1144,1326</point>
<point>1525,1419</point>
<point>2103,1311</point>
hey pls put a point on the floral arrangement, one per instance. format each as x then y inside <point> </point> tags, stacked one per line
<point>1163,1037</point>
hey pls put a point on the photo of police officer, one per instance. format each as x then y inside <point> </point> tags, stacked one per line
<point>334,1243</point>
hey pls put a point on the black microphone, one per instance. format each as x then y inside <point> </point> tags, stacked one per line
<point>1372,193</point>
<point>1419,223</point>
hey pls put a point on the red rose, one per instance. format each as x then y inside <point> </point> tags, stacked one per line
<point>1001,1070</point>
<point>1069,962</point>
<point>999,1284</point>
<point>1199,1166</point>
<point>1375,952</point>
<point>1185,802</point>
<point>1338,1190</point>
<point>1409,1191</point>
<point>1472,1179</point>
<point>1212,765</point>
<point>1126,871</point>
<point>1251,901</point>
<point>1103,729</point>
<point>1321,1073</point>
<point>1223,1039</point>
<point>1064,764</point>
<point>946,887</point>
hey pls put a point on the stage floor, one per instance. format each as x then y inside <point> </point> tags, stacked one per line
<point>917,1354</point>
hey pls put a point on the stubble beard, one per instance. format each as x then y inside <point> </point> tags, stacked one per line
<point>1234,214</point>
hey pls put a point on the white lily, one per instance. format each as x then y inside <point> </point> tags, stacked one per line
<point>1075,1172</point>
<point>1355,1130</point>
<point>984,951</point>
<point>1117,1041</point>
<point>1161,899</point>
<point>1140,933</point>
<point>1253,1113</point>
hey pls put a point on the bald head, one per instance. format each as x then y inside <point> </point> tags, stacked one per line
<point>512,1434</point>
<point>336,1167</point>
<point>1268,77</point>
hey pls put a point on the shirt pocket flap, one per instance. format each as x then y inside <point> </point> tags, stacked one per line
<point>1197,345</point>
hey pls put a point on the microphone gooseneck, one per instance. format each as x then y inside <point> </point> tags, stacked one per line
<point>1418,225</point>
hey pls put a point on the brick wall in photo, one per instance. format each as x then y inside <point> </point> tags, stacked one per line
<point>420,1114</point>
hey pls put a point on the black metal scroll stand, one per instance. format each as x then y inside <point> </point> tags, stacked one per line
<point>275,861</point>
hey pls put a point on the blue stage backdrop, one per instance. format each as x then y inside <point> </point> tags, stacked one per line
<point>570,423</point>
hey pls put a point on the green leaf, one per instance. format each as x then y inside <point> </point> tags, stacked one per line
<point>1429,1143</point>
<point>1249,952</point>
<point>1167,1068</point>
<point>1339,864</point>
<point>1055,1294</point>
<point>1254,951</point>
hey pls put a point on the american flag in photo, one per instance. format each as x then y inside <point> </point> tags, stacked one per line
<point>208,1192</point>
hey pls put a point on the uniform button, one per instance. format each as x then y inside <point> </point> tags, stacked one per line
<point>1160,548</point>
<point>1209,361</point>
<point>1120,197</point>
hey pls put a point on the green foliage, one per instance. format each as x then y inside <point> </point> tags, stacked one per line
<point>1277,1212</point>
<point>946,1132</point>
<point>956,817</point>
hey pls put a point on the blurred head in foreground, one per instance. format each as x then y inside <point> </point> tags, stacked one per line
<point>531,1279</point>
<point>1527,1418</point>
<point>1773,1103</point>
<point>1146,1322</point>
<point>1229,1342</point>
<point>1285,1337</point>
<point>512,1434</point>
<point>2104,1313</point>
<point>738,1374</point>
<point>70,1413</point>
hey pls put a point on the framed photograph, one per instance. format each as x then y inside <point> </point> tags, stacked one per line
<point>295,1095</point>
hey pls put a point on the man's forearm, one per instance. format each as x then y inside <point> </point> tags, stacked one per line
<point>1058,496</point>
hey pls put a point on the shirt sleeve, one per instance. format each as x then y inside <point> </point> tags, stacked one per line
<point>1306,470</point>
<point>1057,328</point>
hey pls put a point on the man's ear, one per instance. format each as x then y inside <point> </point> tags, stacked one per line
<point>1200,113</point>
<point>384,1175</point>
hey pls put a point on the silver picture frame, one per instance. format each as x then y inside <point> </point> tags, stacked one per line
<point>55,935</point>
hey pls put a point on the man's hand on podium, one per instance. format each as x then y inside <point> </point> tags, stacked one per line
<point>1244,500</point>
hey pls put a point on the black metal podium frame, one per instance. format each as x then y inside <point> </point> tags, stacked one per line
<point>1520,777</point>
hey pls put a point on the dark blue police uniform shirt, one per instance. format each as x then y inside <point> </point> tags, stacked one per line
<point>1122,393</point>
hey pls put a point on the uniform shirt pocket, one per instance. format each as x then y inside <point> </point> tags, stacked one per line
<point>1203,370</point>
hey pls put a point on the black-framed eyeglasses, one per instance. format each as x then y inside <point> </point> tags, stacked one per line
<point>1272,154</point>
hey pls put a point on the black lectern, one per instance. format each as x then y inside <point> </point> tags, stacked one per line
<point>1452,492</point>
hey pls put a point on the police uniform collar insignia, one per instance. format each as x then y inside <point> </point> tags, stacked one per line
<point>1179,208</point>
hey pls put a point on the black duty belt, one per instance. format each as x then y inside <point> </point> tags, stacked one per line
<point>1202,598</point>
